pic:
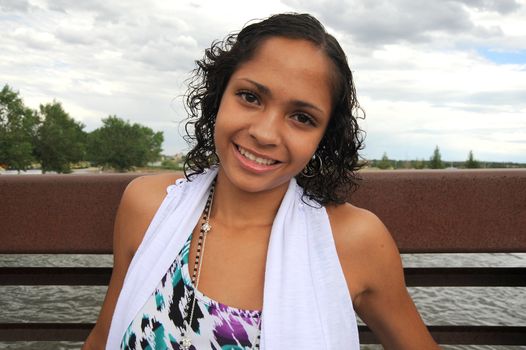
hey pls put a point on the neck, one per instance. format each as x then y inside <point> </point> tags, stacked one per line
<point>236,208</point>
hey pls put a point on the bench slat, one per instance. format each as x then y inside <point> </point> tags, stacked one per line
<point>464,335</point>
<point>55,276</point>
<point>478,211</point>
<point>461,335</point>
<point>466,276</point>
<point>44,331</point>
<point>435,276</point>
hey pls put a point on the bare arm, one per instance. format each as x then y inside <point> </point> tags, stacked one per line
<point>374,273</point>
<point>140,201</point>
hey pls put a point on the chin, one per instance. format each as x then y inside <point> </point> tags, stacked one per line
<point>255,183</point>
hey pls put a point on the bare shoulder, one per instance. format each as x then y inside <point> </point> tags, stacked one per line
<point>373,270</point>
<point>358,229</point>
<point>139,203</point>
<point>366,249</point>
<point>149,186</point>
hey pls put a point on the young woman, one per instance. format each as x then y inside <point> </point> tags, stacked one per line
<point>257,248</point>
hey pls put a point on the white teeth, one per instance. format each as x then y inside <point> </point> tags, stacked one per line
<point>253,158</point>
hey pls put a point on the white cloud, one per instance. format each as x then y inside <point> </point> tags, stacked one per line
<point>380,22</point>
<point>14,5</point>
<point>500,6</point>
<point>420,67</point>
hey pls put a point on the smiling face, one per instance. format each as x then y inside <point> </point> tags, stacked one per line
<point>273,114</point>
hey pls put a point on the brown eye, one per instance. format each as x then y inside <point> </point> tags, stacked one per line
<point>303,119</point>
<point>248,97</point>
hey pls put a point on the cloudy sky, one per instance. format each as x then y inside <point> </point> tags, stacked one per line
<point>450,73</point>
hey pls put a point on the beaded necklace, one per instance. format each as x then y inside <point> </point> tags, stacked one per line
<point>186,341</point>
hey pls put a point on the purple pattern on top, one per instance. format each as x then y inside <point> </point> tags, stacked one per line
<point>215,325</point>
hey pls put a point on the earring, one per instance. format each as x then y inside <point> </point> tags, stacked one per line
<point>309,170</point>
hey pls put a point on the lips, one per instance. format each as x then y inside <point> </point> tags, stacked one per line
<point>254,162</point>
<point>257,159</point>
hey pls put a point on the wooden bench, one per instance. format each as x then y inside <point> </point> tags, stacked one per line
<point>480,211</point>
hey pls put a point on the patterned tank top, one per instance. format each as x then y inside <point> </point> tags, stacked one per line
<point>159,324</point>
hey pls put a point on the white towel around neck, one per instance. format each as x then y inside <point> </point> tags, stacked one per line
<point>306,302</point>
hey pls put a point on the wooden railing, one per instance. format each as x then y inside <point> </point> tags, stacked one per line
<point>480,211</point>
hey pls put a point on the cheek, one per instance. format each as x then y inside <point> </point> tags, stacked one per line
<point>220,137</point>
<point>305,150</point>
<point>225,130</point>
<point>226,113</point>
<point>221,126</point>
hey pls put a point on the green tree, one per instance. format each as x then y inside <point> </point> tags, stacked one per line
<point>384,163</point>
<point>419,164</point>
<point>407,164</point>
<point>60,139</point>
<point>122,146</point>
<point>435,162</point>
<point>18,125</point>
<point>472,163</point>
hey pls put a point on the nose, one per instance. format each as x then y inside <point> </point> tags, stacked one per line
<point>265,128</point>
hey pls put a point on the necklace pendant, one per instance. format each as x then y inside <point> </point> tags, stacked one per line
<point>186,342</point>
<point>206,227</point>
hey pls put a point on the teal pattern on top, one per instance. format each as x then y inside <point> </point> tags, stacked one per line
<point>159,324</point>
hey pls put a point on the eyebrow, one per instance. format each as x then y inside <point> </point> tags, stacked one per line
<point>264,90</point>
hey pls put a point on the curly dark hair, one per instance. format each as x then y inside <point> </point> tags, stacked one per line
<point>336,178</point>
